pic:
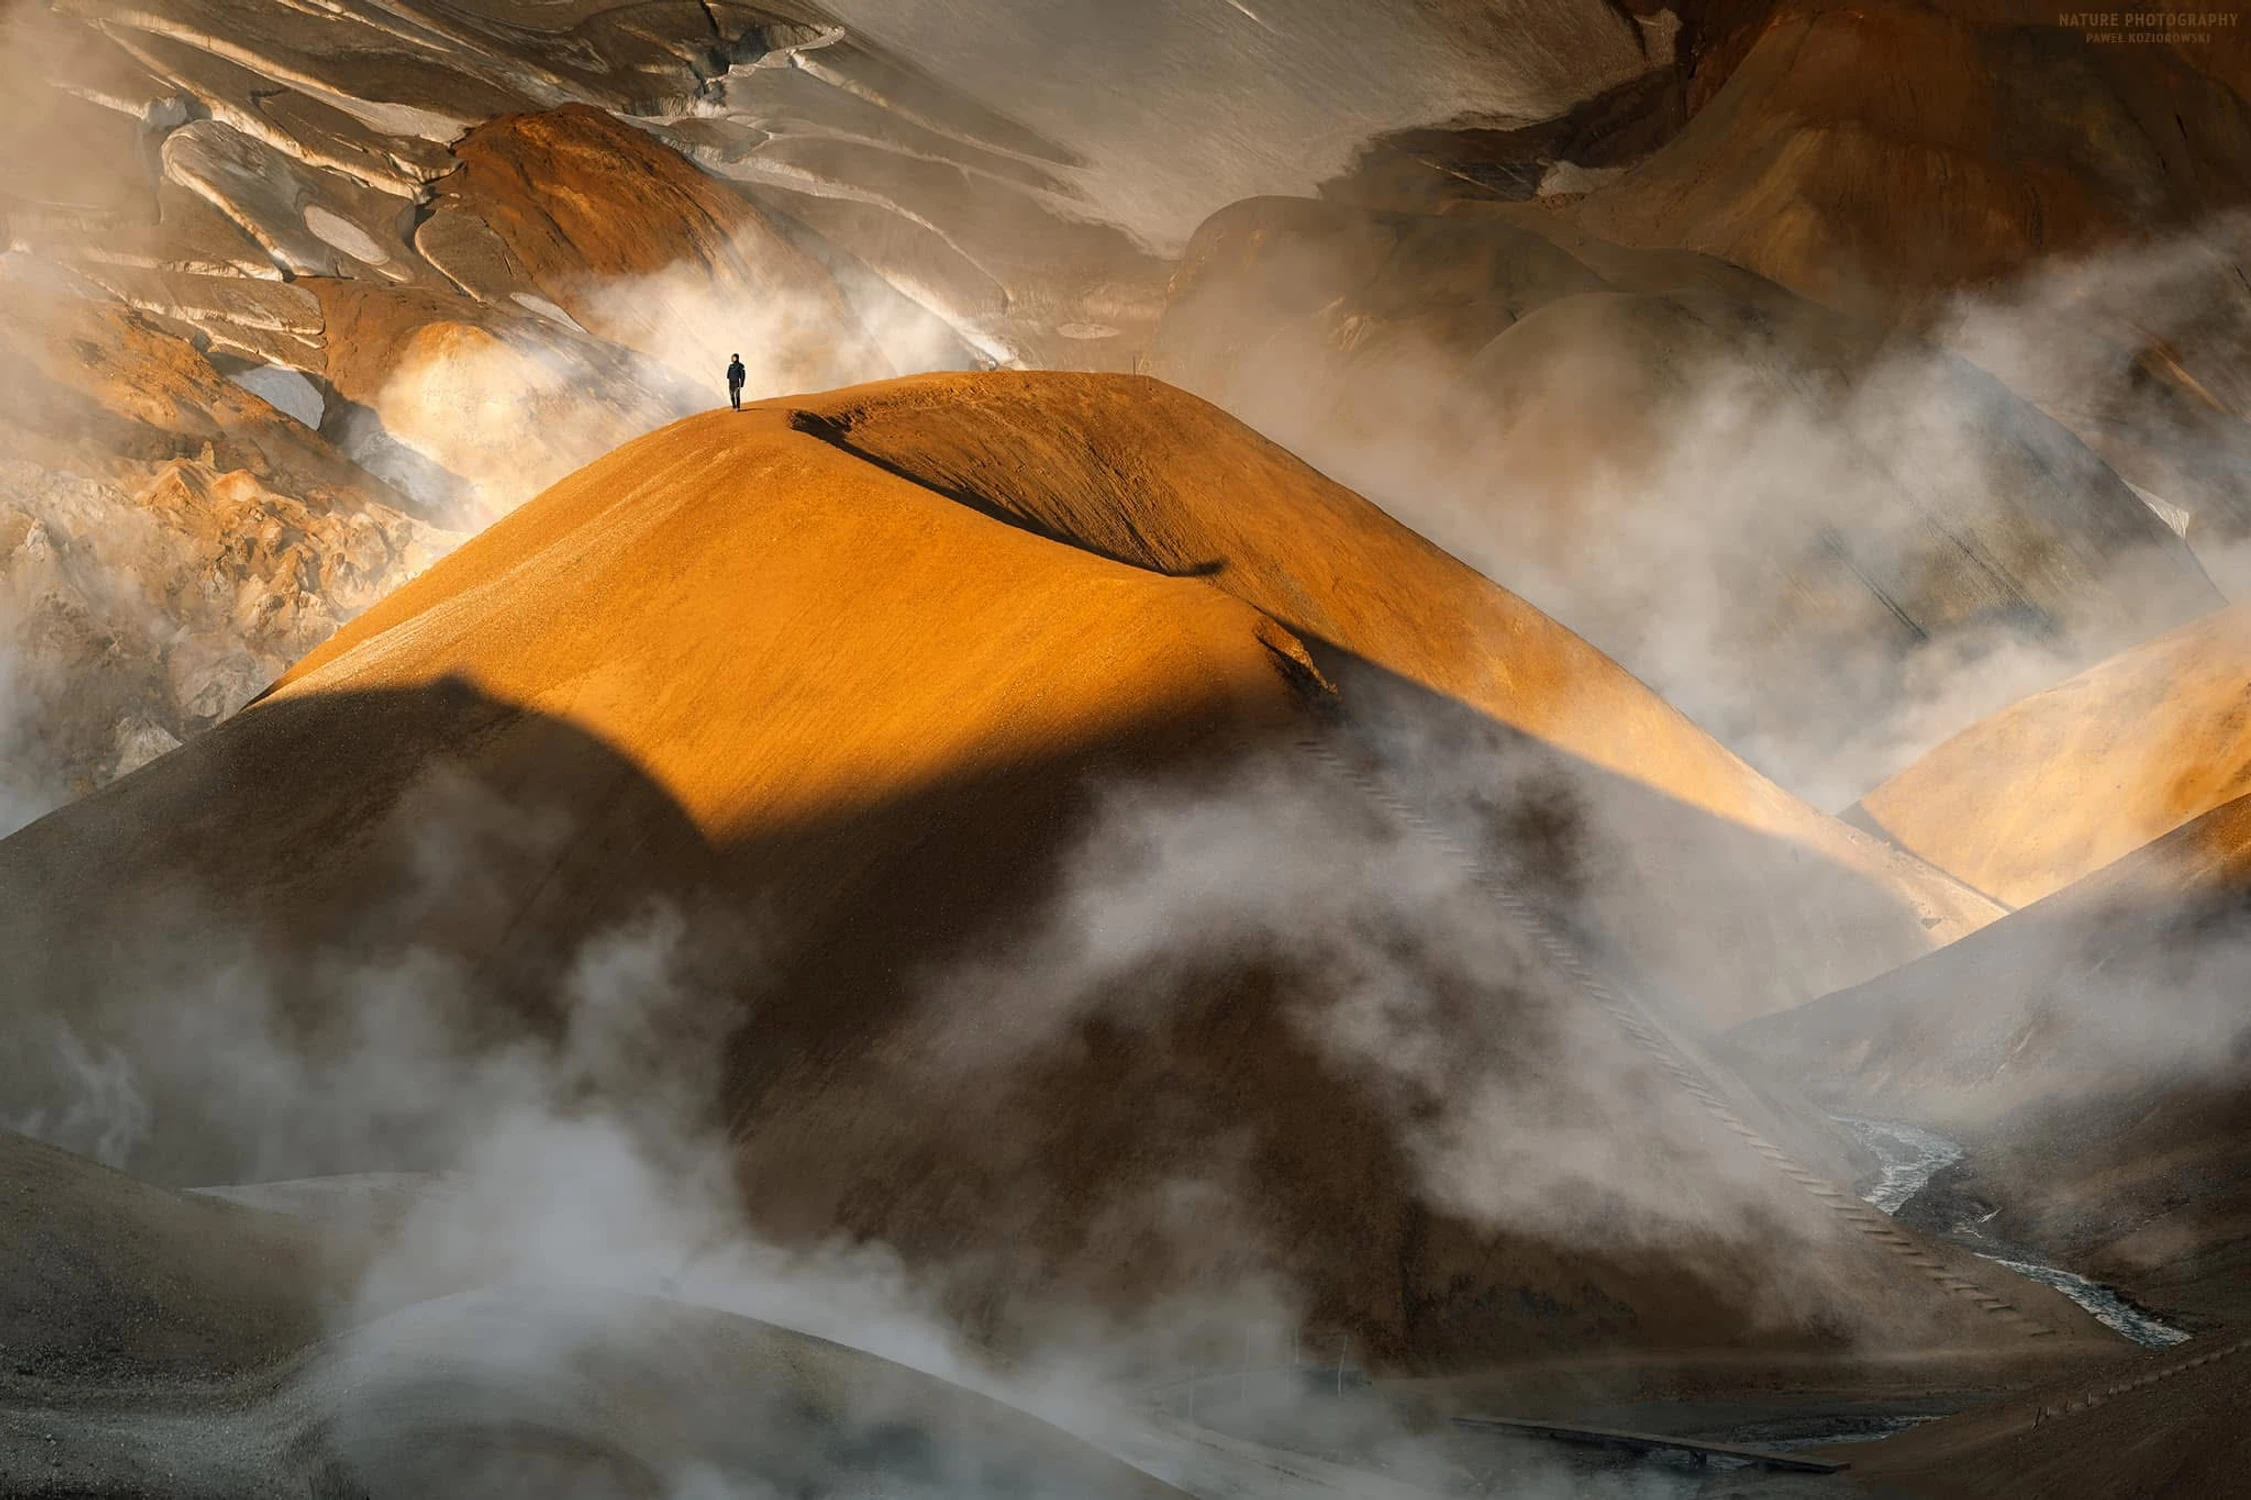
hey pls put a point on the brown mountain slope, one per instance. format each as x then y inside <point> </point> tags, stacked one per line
<point>954,159</point>
<point>2175,1431</point>
<point>2058,785</point>
<point>1132,471</point>
<point>589,212</point>
<point>1563,155</point>
<point>2084,184</point>
<point>163,1343</point>
<point>1830,546</point>
<point>112,1281</point>
<point>839,682</point>
<point>2010,142</point>
<point>1719,32</point>
<point>444,368</point>
<point>714,512</point>
<point>594,285</point>
<point>2088,1050</point>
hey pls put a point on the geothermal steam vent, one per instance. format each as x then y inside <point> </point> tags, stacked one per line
<point>1214,748</point>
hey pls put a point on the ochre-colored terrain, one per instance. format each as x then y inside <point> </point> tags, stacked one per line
<point>1173,492</point>
<point>169,543</point>
<point>1824,542</point>
<point>2061,201</point>
<point>2010,141</point>
<point>842,680</point>
<point>2059,784</point>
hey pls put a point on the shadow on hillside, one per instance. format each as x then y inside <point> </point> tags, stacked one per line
<point>838,435</point>
<point>1176,1142</point>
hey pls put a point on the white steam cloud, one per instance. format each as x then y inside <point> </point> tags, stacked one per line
<point>1829,551</point>
<point>1519,1105</point>
<point>2138,351</point>
<point>579,1224</point>
<point>491,416</point>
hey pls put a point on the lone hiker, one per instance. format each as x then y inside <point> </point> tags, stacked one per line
<point>735,379</point>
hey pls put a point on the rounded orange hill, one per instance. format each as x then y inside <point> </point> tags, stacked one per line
<point>850,682</point>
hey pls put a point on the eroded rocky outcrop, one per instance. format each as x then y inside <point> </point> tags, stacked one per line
<point>169,543</point>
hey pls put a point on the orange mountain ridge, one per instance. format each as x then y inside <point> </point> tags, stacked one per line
<point>837,678</point>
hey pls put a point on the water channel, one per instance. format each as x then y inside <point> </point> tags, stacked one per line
<point>1910,1156</point>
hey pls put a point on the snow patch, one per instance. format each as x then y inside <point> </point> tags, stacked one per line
<point>2174,516</point>
<point>339,233</point>
<point>138,743</point>
<point>546,309</point>
<point>286,391</point>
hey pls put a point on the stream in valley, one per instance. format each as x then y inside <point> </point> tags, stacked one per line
<point>1909,1157</point>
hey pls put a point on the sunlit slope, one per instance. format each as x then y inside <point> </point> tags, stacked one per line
<point>850,686</point>
<point>2058,785</point>
<point>709,552</point>
<point>773,629</point>
<point>2124,972</point>
<point>867,643</point>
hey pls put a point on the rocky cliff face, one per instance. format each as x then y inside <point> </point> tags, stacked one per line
<point>1014,171</point>
<point>169,542</point>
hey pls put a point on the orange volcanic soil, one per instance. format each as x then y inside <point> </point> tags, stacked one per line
<point>841,679</point>
<point>2059,784</point>
<point>2009,135</point>
<point>573,203</point>
<point>1179,510</point>
<point>1659,446</point>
